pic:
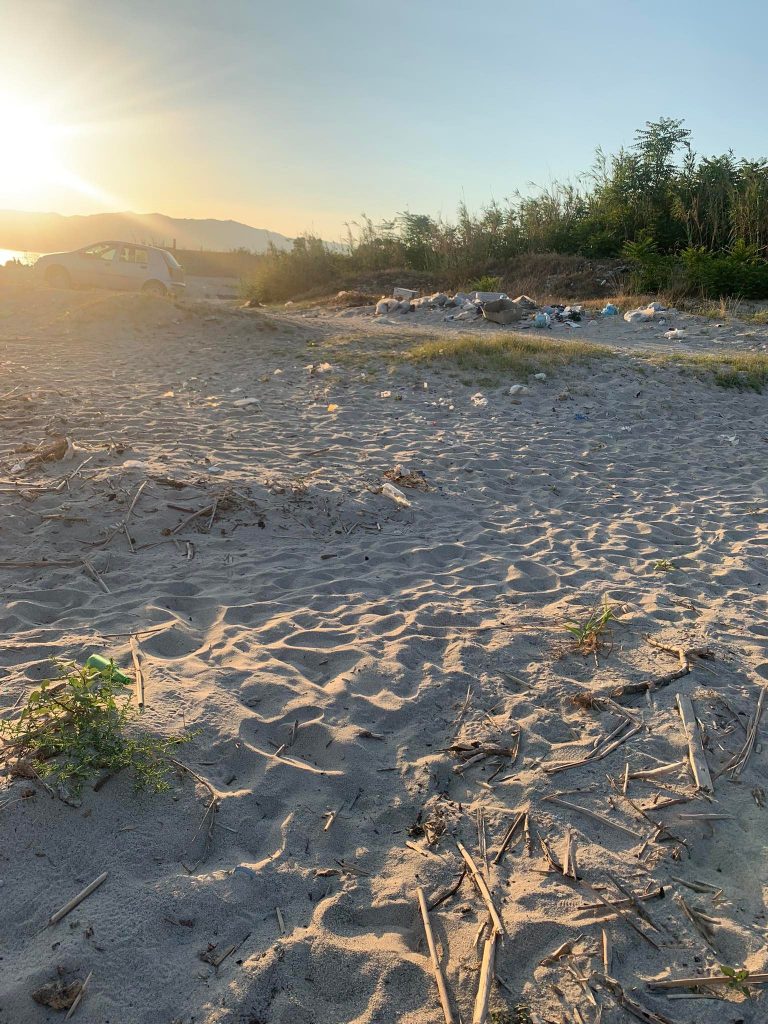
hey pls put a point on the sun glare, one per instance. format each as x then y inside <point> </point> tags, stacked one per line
<point>33,153</point>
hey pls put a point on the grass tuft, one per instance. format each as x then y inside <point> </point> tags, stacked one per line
<point>746,371</point>
<point>508,353</point>
<point>591,635</point>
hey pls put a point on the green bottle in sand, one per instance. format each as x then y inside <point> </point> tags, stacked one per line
<point>106,667</point>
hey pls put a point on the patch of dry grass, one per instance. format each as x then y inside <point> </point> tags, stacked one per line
<point>518,354</point>
<point>744,371</point>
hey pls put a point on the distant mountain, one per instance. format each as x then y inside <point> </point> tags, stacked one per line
<point>52,232</point>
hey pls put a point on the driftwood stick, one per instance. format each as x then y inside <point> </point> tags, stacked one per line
<point>438,900</point>
<point>696,754</point>
<point>90,571</point>
<point>487,968</point>
<point>597,754</point>
<point>656,894</point>
<point>508,836</point>
<point>79,996</point>
<point>607,951</point>
<point>442,988</point>
<point>625,914</point>
<point>685,660</point>
<point>200,512</point>
<point>656,773</point>
<point>632,1007</point>
<point>592,814</point>
<point>483,888</point>
<point>138,672</point>
<point>77,900</point>
<point>739,762</point>
<point>723,979</point>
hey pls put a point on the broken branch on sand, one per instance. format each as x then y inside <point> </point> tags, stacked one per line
<point>77,900</point>
<point>137,669</point>
<point>632,1007</point>
<point>603,749</point>
<point>209,816</point>
<point>483,888</point>
<point>738,762</point>
<point>696,756</point>
<point>685,658</point>
<point>519,819</point>
<point>593,814</point>
<point>442,988</point>
<point>487,969</point>
<point>709,982</point>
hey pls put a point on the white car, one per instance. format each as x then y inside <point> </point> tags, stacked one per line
<point>122,266</point>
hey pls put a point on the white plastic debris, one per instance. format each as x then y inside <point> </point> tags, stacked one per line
<point>675,334</point>
<point>642,316</point>
<point>242,403</point>
<point>479,399</point>
<point>135,464</point>
<point>385,394</point>
<point>313,368</point>
<point>518,389</point>
<point>404,293</point>
<point>395,494</point>
<point>539,376</point>
<point>542,320</point>
<point>384,306</point>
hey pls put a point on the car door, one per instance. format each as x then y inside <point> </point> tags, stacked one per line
<point>95,267</point>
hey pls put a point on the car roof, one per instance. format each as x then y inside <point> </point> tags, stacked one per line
<point>116,241</point>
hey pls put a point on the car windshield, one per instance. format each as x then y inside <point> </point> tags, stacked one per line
<point>172,261</point>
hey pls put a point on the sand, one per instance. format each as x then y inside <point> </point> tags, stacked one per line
<point>313,613</point>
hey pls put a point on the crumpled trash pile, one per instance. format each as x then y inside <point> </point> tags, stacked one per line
<point>653,311</point>
<point>496,307</point>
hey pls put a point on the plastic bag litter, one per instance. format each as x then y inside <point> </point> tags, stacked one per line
<point>675,334</point>
<point>610,310</point>
<point>479,399</point>
<point>313,368</point>
<point>385,394</point>
<point>518,389</point>
<point>242,403</point>
<point>639,316</point>
<point>525,302</point>
<point>395,494</point>
<point>542,320</point>
<point>384,306</point>
<point>539,376</point>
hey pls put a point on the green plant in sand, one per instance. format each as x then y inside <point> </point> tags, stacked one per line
<point>738,979</point>
<point>79,725</point>
<point>664,565</point>
<point>590,636</point>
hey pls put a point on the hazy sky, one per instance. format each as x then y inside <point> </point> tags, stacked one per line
<point>297,115</point>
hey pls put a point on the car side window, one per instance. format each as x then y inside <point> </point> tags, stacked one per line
<point>127,254</point>
<point>95,251</point>
<point>141,257</point>
<point>108,254</point>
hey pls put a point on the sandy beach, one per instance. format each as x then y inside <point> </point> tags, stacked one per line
<point>336,656</point>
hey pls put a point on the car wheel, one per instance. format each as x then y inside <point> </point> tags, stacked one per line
<point>58,277</point>
<point>154,288</point>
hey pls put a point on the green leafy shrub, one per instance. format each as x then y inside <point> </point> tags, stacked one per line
<point>79,725</point>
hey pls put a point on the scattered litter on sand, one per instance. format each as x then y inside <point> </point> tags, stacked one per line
<point>395,494</point>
